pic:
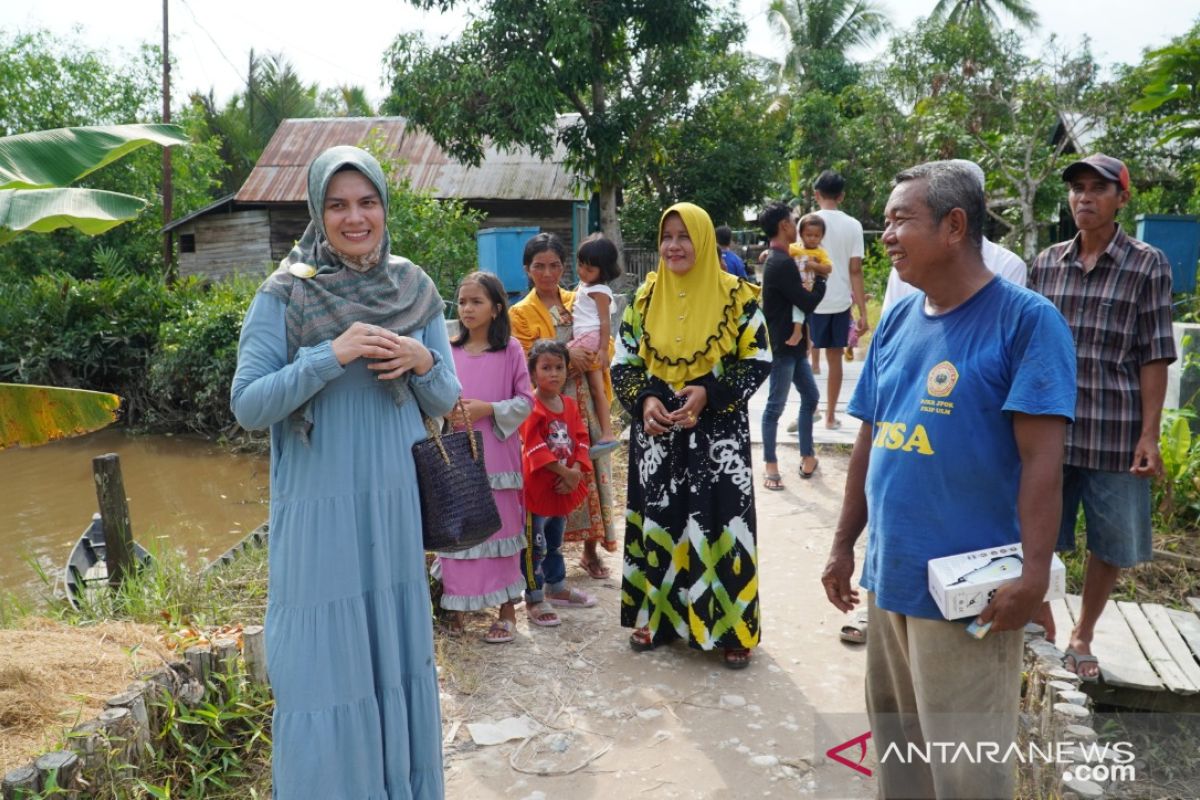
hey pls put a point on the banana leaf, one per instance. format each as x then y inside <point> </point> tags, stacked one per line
<point>33,415</point>
<point>61,156</point>
<point>91,211</point>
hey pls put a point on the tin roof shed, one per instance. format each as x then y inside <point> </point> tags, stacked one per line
<point>279,176</point>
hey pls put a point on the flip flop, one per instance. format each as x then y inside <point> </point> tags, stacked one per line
<point>601,448</point>
<point>836,425</point>
<point>595,569</point>
<point>807,475</point>
<point>537,611</point>
<point>576,598</point>
<point>737,657</point>
<point>773,482</point>
<point>1078,659</point>
<point>500,632</point>
<point>854,630</point>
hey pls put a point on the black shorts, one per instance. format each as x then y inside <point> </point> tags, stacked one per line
<point>830,331</point>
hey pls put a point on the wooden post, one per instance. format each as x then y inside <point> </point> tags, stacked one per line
<point>199,659</point>
<point>120,735</point>
<point>60,769</point>
<point>114,515</point>
<point>134,699</point>
<point>22,783</point>
<point>254,653</point>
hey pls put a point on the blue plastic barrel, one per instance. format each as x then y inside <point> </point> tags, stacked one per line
<point>500,251</point>
<point>1178,236</point>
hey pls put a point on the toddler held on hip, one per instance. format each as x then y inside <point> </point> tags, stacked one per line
<point>554,459</point>
<point>597,263</point>
<point>811,260</point>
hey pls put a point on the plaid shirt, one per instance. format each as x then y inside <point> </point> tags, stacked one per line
<point>1120,316</point>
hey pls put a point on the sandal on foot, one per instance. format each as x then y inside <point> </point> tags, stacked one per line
<point>640,640</point>
<point>576,598</point>
<point>595,569</point>
<point>737,657</point>
<point>1077,660</point>
<point>854,630</point>
<point>500,632</point>
<point>833,426</point>
<point>810,473</point>
<point>601,448</point>
<point>773,482</point>
<point>542,614</point>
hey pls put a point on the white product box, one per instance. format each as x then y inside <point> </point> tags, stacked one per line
<point>962,585</point>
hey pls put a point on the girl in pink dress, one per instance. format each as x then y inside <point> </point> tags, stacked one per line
<point>496,392</point>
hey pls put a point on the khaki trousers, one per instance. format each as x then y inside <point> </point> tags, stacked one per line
<point>929,683</point>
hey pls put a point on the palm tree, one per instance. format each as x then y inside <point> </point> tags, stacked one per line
<point>967,12</point>
<point>823,30</point>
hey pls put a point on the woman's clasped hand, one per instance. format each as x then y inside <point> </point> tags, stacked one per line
<point>657,419</point>
<point>394,354</point>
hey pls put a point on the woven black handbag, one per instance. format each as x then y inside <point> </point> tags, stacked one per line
<point>458,510</point>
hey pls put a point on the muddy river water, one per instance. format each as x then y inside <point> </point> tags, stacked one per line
<point>183,492</point>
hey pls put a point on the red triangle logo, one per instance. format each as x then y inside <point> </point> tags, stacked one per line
<point>835,753</point>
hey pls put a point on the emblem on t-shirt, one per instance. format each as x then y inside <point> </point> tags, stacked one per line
<point>941,380</point>
<point>558,439</point>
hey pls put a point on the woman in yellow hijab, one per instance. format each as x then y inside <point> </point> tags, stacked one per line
<point>691,350</point>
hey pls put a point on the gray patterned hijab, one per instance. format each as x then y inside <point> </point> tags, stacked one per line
<point>326,291</point>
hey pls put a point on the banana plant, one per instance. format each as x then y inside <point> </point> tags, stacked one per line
<point>33,415</point>
<point>37,168</point>
<point>35,172</point>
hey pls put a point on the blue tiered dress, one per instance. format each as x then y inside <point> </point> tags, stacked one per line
<point>348,631</point>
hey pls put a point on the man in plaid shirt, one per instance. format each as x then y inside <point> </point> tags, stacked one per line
<point>1115,293</point>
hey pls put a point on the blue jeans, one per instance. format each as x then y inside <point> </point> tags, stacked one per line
<point>789,369</point>
<point>542,560</point>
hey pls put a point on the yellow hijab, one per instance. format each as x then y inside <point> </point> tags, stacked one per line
<point>690,321</point>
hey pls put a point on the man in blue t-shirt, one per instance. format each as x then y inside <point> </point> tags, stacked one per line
<point>964,398</point>
<point>730,261</point>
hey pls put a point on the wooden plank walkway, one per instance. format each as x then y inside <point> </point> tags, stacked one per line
<point>1149,654</point>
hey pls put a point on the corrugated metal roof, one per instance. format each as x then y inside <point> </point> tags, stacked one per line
<point>281,172</point>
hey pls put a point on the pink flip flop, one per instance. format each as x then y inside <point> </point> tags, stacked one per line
<point>574,599</point>
<point>537,615</point>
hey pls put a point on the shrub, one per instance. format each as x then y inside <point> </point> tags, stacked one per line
<point>191,371</point>
<point>87,334</point>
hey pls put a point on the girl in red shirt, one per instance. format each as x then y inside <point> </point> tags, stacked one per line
<point>553,460</point>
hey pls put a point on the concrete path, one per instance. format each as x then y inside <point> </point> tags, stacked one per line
<point>612,724</point>
<point>821,435</point>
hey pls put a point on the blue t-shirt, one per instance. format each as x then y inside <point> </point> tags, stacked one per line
<point>944,468</point>
<point>733,264</point>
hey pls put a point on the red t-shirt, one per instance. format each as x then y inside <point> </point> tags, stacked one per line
<point>547,437</point>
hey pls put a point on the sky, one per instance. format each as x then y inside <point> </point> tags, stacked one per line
<point>211,39</point>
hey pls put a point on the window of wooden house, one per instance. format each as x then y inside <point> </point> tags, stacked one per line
<point>187,242</point>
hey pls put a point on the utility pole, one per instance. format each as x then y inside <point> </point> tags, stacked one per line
<point>167,190</point>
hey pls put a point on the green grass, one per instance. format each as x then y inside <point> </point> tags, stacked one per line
<point>171,593</point>
<point>220,749</point>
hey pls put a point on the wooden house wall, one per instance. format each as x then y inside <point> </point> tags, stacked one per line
<point>226,244</point>
<point>287,226</point>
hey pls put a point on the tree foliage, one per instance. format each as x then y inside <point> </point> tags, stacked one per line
<point>49,82</point>
<point>624,69</point>
<point>984,12</point>
<point>246,123</point>
<point>1173,83</point>
<point>819,33</point>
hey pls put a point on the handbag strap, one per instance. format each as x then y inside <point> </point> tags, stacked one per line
<point>435,431</point>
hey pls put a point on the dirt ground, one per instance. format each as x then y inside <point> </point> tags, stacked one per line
<point>604,721</point>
